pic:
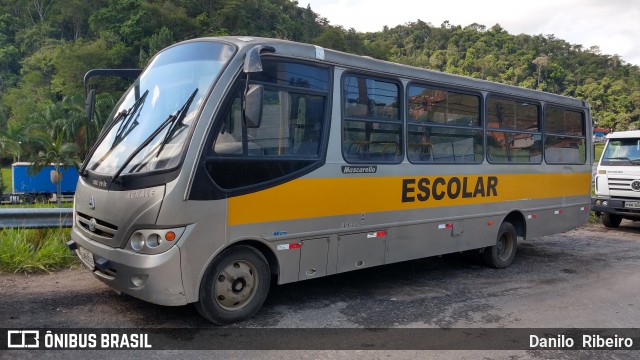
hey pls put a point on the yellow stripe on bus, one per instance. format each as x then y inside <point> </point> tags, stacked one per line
<point>320,197</point>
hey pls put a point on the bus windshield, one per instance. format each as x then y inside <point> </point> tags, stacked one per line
<point>147,130</point>
<point>622,152</point>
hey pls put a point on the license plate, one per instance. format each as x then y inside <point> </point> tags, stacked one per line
<point>632,204</point>
<point>86,257</point>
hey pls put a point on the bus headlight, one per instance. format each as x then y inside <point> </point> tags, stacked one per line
<point>137,241</point>
<point>154,241</point>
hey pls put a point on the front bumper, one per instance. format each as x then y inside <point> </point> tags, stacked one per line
<point>153,278</point>
<point>614,206</point>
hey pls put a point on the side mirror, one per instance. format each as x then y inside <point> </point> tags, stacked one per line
<point>253,106</point>
<point>252,61</point>
<point>89,104</point>
<point>90,101</point>
<point>254,94</point>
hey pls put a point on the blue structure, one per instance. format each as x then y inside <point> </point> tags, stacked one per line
<point>41,183</point>
<point>600,132</point>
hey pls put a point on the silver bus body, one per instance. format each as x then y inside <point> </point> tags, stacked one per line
<point>336,214</point>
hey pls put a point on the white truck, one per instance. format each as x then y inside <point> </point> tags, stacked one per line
<point>617,179</point>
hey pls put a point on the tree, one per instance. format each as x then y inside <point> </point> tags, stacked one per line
<point>40,8</point>
<point>60,155</point>
<point>7,146</point>
<point>333,38</point>
<point>157,42</point>
<point>12,139</point>
<point>68,119</point>
<point>74,16</point>
<point>540,62</point>
<point>49,122</point>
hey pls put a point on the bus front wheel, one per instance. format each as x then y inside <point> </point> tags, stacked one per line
<point>234,286</point>
<point>502,253</point>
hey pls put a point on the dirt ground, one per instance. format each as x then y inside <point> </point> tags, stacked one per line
<point>584,278</point>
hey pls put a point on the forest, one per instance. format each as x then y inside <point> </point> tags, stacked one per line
<point>46,46</point>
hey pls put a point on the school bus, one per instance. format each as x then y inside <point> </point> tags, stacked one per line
<point>233,162</point>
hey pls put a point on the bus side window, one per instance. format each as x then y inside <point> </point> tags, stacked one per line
<point>290,136</point>
<point>513,131</point>
<point>565,136</point>
<point>443,126</point>
<point>371,123</point>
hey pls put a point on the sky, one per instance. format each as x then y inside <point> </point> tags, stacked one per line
<point>612,25</point>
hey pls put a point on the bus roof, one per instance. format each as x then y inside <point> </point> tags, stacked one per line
<point>338,58</point>
<point>624,134</point>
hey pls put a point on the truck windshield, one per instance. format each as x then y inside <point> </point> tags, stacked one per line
<point>622,152</point>
<point>153,118</point>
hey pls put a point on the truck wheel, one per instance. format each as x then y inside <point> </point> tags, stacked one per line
<point>502,253</point>
<point>610,220</point>
<point>234,286</point>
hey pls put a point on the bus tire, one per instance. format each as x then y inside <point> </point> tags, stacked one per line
<point>610,220</point>
<point>501,254</point>
<point>234,286</point>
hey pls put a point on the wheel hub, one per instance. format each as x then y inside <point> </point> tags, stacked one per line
<point>236,285</point>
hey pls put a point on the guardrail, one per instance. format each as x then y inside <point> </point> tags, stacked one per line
<point>29,218</point>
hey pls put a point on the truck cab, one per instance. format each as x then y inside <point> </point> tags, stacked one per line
<point>617,180</point>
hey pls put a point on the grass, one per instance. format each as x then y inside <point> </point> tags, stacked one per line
<point>34,250</point>
<point>593,218</point>
<point>38,205</point>
<point>6,177</point>
<point>599,148</point>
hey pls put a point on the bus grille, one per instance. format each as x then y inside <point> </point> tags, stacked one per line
<point>621,184</point>
<point>100,228</point>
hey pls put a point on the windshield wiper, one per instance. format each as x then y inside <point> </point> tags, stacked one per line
<point>178,123</point>
<point>172,118</point>
<point>130,120</point>
<point>618,158</point>
<point>632,161</point>
<point>120,134</point>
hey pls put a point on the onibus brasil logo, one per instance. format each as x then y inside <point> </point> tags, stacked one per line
<point>32,339</point>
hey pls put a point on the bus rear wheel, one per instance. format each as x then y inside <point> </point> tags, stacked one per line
<point>234,286</point>
<point>501,254</point>
<point>610,220</point>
